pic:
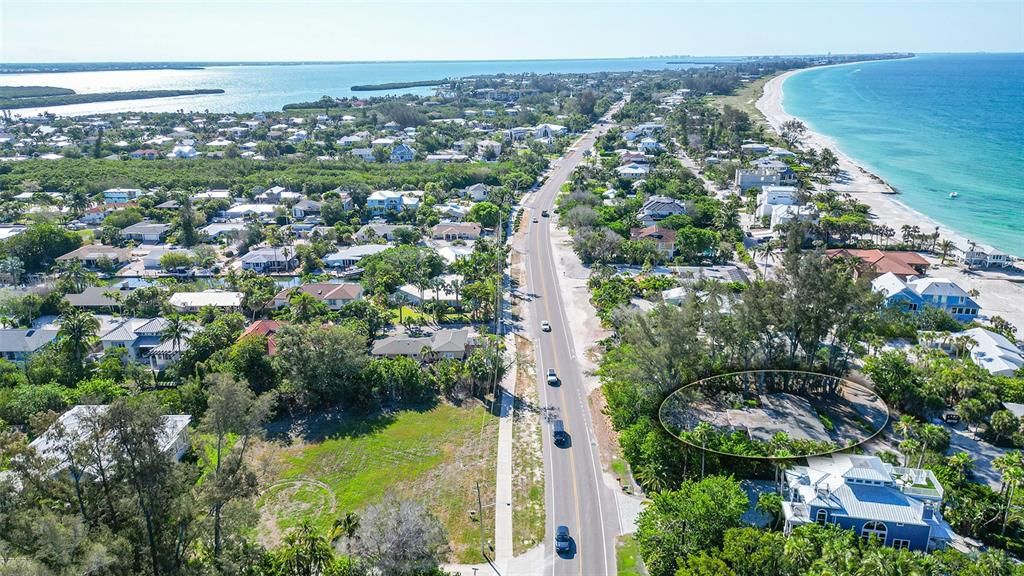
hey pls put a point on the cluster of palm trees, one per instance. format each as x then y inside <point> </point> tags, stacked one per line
<point>11,270</point>
<point>919,438</point>
<point>1011,467</point>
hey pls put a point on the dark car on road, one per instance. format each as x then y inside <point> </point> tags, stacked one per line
<point>558,434</point>
<point>562,541</point>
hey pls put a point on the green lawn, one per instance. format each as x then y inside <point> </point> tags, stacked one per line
<point>434,456</point>
<point>744,98</point>
<point>414,314</point>
<point>628,557</point>
<point>87,236</point>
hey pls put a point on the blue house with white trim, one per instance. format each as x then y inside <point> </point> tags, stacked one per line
<point>402,153</point>
<point>898,506</point>
<point>914,294</point>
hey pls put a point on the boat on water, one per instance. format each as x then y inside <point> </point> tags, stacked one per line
<point>953,195</point>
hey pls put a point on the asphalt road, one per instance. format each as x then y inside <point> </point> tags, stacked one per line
<point>575,493</point>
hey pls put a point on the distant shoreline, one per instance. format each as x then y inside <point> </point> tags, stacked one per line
<point>72,67</point>
<point>68,99</point>
<point>396,85</point>
<point>58,68</point>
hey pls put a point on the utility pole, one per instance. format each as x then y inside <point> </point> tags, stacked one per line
<point>480,518</point>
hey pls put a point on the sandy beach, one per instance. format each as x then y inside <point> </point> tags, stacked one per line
<point>1001,291</point>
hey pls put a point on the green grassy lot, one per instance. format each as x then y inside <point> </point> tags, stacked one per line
<point>435,456</point>
<point>87,236</point>
<point>744,98</point>
<point>628,557</point>
<point>414,314</point>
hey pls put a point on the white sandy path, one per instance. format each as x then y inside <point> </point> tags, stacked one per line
<point>1001,294</point>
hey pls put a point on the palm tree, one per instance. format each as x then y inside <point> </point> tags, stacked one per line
<point>305,552</point>
<point>400,300</point>
<point>932,437</point>
<point>908,447</point>
<point>961,463</point>
<point>702,433</point>
<point>905,426</point>
<point>801,552</point>
<point>1011,466</point>
<point>176,330</point>
<point>887,232</point>
<point>650,477</point>
<point>302,305</point>
<point>77,335</point>
<point>456,285</point>
<point>905,231</point>
<point>78,201</point>
<point>422,283</point>
<point>344,526</point>
<point>757,252</point>
<point>962,345</point>
<point>945,247</point>
<point>76,277</point>
<point>770,503</point>
<point>438,285</point>
<point>12,268</point>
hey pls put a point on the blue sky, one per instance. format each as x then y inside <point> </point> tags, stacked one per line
<point>87,30</point>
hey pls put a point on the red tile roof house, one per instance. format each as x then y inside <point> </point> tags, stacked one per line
<point>876,262</point>
<point>264,328</point>
<point>663,237</point>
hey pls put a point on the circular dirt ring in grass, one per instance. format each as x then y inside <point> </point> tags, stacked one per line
<point>773,414</point>
<point>294,497</point>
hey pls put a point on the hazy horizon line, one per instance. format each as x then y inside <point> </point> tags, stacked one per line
<point>552,59</point>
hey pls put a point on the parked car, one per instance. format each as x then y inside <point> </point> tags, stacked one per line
<point>552,377</point>
<point>562,539</point>
<point>545,326</point>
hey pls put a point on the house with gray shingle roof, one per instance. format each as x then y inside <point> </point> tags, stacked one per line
<point>443,344</point>
<point>146,232</point>
<point>98,297</point>
<point>270,259</point>
<point>136,336</point>
<point>17,344</point>
<point>351,255</point>
<point>657,208</point>
<point>306,207</point>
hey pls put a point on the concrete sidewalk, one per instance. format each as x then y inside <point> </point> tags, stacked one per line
<point>503,482</point>
<point>503,486</point>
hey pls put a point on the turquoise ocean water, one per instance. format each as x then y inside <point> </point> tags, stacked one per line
<point>929,126</point>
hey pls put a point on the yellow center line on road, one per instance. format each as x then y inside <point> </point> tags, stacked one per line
<point>547,268</point>
<point>548,296</point>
